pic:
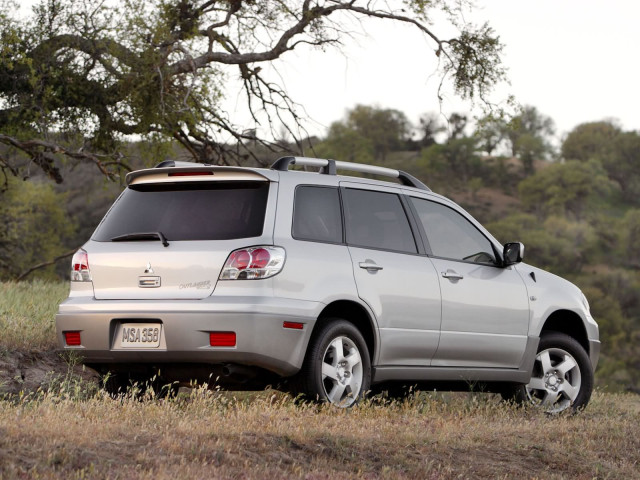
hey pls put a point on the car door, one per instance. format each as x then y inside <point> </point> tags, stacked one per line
<point>400,286</point>
<point>485,307</point>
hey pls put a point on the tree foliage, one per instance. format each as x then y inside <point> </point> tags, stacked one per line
<point>429,127</point>
<point>78,77</point>
<point>617,151</point>
<point>489,133</point>
<point>34,228</point>
<point>563,188</point>
<point>368,134</point>
<point>559,245</point>
<point>528,137</point>
<point>630,237</point>
<point>590,140</point>
<point>346,143</point>
<point>457,160</point>
<point>622,165</point>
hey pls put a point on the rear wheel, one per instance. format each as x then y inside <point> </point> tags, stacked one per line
<point>562,376</point>
<point>337,368</point>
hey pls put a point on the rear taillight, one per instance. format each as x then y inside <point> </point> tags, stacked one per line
<point>293,325</point>
<point>80,267</point>
<point>253,263</point>
<point>72,339</point>
<point>222,339</point>
<point>197,173</point>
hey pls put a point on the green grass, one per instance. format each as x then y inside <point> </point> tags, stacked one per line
<point>27,314</point>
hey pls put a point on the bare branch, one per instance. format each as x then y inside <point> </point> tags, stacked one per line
<point>41,152</point>
<point>26,273</point>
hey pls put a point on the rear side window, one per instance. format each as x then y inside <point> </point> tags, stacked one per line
<point>189,211</point>
<point>316,215</point>
<point>377,220</point>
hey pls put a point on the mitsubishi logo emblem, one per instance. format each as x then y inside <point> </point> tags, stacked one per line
<point>148,269</point>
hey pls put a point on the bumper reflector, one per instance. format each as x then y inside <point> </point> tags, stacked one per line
<point>72,339</point>
<point>294,325</point>
<point>222,339</point>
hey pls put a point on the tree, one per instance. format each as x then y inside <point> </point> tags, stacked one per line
<point>367,134</point>
<point>457,160</point>
<point>457,125</point>
<point>557,244</point>
<point>347,144</point>
<point>79,77</point>
<point>429,127</point>
<point>622,165</point>
<point>590,140</point>
<point>385,129</point>
<point>630,238</point>
<point>618,152</point>
<point>33,228</point>
<point>563,188</point>
<point>490,132</point>
<point>528,137</point>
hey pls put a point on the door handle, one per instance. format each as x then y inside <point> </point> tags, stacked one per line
<point>452,275</point>
<point>370,266</point>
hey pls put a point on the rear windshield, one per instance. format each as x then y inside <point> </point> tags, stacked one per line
<point>188,211</point>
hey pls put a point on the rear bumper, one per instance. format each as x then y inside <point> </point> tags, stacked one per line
<point>262,341</point>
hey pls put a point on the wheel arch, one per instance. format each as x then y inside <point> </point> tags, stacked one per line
<point>569,323</point>
<point>354,313</point>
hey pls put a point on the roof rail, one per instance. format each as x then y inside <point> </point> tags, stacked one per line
<point>329,167</point>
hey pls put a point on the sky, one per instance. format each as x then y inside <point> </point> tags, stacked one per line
<point>574,60</point>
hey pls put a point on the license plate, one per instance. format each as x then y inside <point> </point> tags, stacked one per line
<point>140,335</point>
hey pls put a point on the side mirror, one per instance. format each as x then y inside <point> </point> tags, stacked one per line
<point>513,253</point>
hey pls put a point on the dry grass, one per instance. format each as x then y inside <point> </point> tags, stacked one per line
<point>27,314</point>
<point>72,430</point>
<point>213,435</point>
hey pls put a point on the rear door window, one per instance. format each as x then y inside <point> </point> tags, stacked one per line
<point>377,220</point>
<point>189,211</point>
<point>316,214</point>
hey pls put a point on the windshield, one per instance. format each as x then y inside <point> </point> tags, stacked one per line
<point>188,211</point>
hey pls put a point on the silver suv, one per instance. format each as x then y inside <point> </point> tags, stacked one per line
<point>329,284</point>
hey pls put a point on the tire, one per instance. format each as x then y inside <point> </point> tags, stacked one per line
<point>337,367</point>
<point>562,376</point>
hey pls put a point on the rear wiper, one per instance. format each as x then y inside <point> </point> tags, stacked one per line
<point>142,236</point>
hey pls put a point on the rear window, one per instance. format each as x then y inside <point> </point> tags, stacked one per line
<point>188,211</point>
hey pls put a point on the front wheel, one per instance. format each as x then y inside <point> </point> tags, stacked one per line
<point>337,368</point>
<point>562,376</point>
